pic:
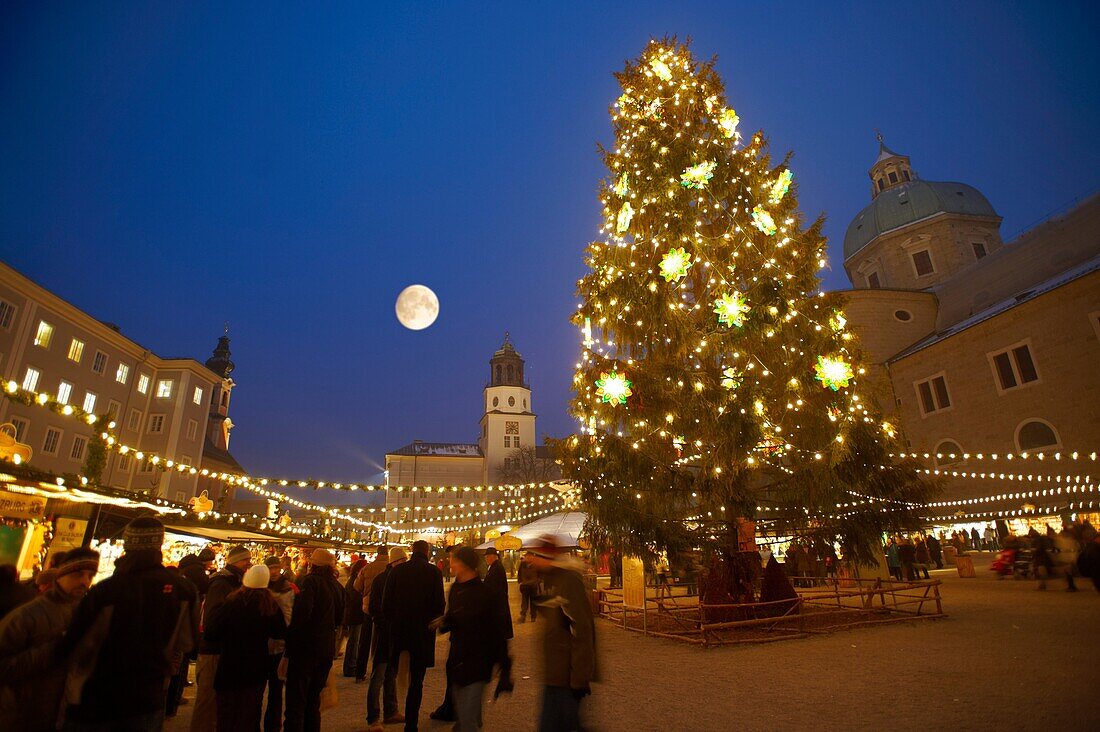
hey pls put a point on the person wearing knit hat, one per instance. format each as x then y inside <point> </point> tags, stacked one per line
<point>225,581</point>
<point>311,641</point>
<point>397,554</point>
<point>244,627</point>
<point>34,683</point>
<point>144,533</point>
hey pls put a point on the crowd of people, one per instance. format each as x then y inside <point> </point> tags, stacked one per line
<point>263,639</point>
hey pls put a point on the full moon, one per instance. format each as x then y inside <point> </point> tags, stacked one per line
<point>417,307</point>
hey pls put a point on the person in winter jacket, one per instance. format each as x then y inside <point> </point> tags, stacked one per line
<point>477,638</point>
<point>32,681</point>
<point>383,675</point>
<point>311,642</point>
<point>353,618</point>
<point>196,568</point>
<point>247,621</point>
<point>237,561</point>
<point>496,581</point>
<point>285,592</point>
<point>568,637</point>
<point>363,584</point>
<point>413,601</point>
<point>127,638</point>
<point>528,588</point>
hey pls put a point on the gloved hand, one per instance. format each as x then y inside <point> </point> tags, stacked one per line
<point>581,693</point>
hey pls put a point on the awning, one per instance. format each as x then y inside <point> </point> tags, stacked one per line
<point>566,527</point>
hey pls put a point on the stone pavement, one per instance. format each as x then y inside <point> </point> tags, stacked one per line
<point>1007,657</point>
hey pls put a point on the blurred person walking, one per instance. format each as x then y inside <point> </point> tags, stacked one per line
<point>205,715</point>
<point>311,642</point>
<point>363,584</point>
<point>127,638</point>
<point>32,679</point>
<point>413,601</point>
<point>568,637</point>
<point>383,677</point>
<point>285,593</point>
<point>496,582</point>
<point>528,578</point>
<point>244,626</point>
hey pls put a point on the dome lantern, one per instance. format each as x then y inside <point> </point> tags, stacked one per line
<point>890,169</point>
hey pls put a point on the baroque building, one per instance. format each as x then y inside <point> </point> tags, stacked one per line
<point>979,346</point>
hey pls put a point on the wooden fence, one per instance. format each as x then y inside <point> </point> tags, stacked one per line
<point>825,607</point>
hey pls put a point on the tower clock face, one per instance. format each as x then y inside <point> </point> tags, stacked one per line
<point>511,428</point>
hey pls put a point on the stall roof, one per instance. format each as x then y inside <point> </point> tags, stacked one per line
<point>566,527</point>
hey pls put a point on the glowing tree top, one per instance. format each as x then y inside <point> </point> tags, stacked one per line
<point>716,379</point>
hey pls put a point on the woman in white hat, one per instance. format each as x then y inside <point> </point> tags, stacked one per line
<point>250,617</point>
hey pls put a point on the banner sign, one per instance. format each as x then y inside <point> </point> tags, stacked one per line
<point>633,582</point>
<point>19,506</point>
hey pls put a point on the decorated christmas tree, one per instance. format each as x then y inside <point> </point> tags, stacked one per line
<point>718,385</point>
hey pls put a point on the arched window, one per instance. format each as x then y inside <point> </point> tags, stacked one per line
<point>499,370</point>
<point>948,452</point>
<point>510,373</point>
<point>1036,434</point>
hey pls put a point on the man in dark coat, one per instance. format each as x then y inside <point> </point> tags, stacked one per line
<point>496,581</point>
<point>529,586</point>
<point>311,642</point>
<point>237,561</point>
<point>413,602</point>
<point>127,638</point>
<point>383,675</point>
<point>936,550</point>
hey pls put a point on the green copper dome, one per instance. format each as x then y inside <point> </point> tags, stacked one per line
<point>911,202</point>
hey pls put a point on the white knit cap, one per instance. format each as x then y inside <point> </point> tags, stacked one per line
<point>257,577</point>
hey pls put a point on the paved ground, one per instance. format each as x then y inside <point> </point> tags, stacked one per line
<point>1008,657</point>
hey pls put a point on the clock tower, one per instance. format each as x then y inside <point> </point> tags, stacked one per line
<point>507,422</point>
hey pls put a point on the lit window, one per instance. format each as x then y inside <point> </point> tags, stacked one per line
<point>64,391</point>
<point>53,439</point>
<point>30,379</point>
<point>7,312</point>
<point>143,384</point>
<point>76,350</point>
<point>89,402</point>
<point>79,443</point>
<point>99,363</point>
<point>197,397</point>
<point>1036,435</point>
<point>164,388</point>
<point>1014,367</point>
<point>156,424</point>
<point>134,422</point>
<point>922,263</point>
<point>933,395</point>
<point>122,373</point>
<point>44,334</point>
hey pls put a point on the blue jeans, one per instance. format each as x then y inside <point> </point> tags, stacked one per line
<point>149,722</point>
<point>560,710</point>
<point>383,677</point>
<point>467,701</point>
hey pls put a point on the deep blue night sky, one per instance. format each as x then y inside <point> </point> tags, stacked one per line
<point>171,166</point>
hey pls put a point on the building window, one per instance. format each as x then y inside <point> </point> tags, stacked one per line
<point>21,426</point>
<point>164,389</point>
<point>225,399</point>
<point>99,363</point>
<point>922,263</point>
<point>979,249</point>
<point>873,281</point>
<point>511,401</point>
<point>933,394</point>
<point>156,424</point>
<point>197,397</point>
<point>507,441</point>
<point>64,391</point>
<point>881,184</point>
<point>79,443</point>
<point>134,422</point>
<point>146,465</point>
<point>53,439</point>
<point>89,402</point>
<point>1014,367</point>
<point>905,175</point>
<point>1036,434</point>
<point>903,315</point>
<point>143,384</point>
<point>947,453</point>
<point>76,350</point>
<point>44,334</point>
<point>496,401</point>
<point>114,409</point>
<point>192,429</point>
<point>124,463</point>
<point>7,314</point>
<point>186,460</point>
<point>122,373</point>
<point>30,379</point>
<point>893,177</point>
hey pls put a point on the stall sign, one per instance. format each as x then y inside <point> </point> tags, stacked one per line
<point>68,534</point>
<point>19,506</point>
<point>633,582</point>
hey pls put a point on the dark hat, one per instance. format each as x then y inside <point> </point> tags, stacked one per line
<point>274,561</point>
<point>143,534</point>
<point>207,555</point>
<point>467,556</point>
<point>491,550</point>
<point>79,560</point>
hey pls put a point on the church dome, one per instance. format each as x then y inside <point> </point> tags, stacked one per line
<point>909,202</point>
